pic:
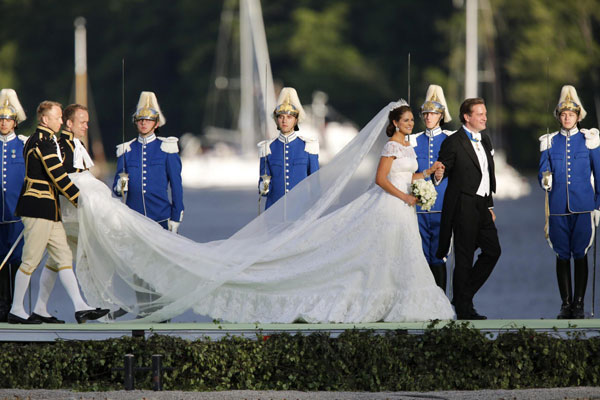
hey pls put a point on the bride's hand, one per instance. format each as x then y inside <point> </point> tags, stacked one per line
<point>437,165</point>
<point>410,200</point>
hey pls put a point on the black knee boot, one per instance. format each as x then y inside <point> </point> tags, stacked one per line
<point>7,288</point>
<point>439,274</point>
<point>581,278</point>
<point>563,276</point>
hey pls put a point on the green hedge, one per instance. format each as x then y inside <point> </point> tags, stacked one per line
<point>452,358</point>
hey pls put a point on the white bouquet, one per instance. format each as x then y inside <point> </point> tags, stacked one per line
<point>425,193</point>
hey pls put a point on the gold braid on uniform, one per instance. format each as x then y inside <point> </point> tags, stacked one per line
<point>46,153</point>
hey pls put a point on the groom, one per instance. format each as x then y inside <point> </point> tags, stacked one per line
<point>467,210</point>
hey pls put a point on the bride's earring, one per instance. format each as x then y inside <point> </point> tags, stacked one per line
<point>397,129</point>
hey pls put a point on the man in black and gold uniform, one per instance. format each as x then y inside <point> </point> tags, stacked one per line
<point>39,209</point>
<point>75,159</point>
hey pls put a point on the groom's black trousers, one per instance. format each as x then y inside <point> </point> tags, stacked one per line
<point>473,228</point>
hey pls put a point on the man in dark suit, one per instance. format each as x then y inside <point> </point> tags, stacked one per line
<point>467,211</point>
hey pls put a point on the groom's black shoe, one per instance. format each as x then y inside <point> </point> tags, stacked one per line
<point>466,311</point>
<point>89,315</point>
<point>462,310</point>
<point>469,315</point>
<point>15,319</point>
<point>475,314</point>
<point>37,318</point>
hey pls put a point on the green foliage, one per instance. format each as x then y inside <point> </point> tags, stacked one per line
<point>454,357</point>
<point>8,75</point>
<point>354,50</point>
<point>543,45</point>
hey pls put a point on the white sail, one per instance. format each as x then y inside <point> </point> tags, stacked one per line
<point>256,80</point>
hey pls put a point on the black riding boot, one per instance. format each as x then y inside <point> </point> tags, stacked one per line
<point>563,276</point>
<point>439,274</point>
<point>7,287</point>
<point>581,278</point>
<point>5,295</point>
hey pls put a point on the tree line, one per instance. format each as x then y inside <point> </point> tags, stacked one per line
<point>355,51</point>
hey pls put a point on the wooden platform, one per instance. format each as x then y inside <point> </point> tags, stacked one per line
<point>101,331</point>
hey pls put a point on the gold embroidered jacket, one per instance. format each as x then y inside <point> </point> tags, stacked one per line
<point>67,148</point>
<point>45,178</point>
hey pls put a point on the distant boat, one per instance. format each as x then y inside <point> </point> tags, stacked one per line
<point>239,108</point>
<point>236,115</point>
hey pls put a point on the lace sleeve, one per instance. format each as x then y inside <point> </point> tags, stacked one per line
<point>390,149</point>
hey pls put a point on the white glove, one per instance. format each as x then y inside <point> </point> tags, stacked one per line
<point>547,180</point>
<point>264,185</point>
<point>173,226</point>
<point>122,185</point>
<point>119,186</point>
<point>264,188</point>
<point>596,217</point>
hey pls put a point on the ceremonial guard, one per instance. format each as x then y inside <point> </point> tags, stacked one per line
<point>434,112</point>
<point>75,159</point>
<point>147,165</point>
<point>288,159</point>
<point>568,159</point>
<point>38,206</point>
<point>13,173</point>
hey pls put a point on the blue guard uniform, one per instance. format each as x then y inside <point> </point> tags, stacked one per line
<point>427,146</point>
<point>571,157</point>
<point>153,163</point>
<point>288,160</point>
<point>13,175</point>
<point>568,171</point>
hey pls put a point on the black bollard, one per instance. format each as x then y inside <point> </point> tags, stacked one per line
<point>128,367</point>
<point>157,372</point>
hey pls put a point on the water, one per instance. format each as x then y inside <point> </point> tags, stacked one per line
<point>522,286</point>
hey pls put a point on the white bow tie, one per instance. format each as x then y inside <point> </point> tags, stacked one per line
<point>81,158</point>
<point>476,136</point>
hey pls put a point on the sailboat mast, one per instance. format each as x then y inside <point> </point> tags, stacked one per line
<point>254,56</point>
<point>471,69</point>
<point>81,96</point>
<point>246,124</point>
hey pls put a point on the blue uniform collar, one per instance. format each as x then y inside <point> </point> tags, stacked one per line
<point>433,132</point>
<point>475,137</point>
<point>147,139</point>
<point>287,139</point>
<point>8,138</point>
<point>569,132</point>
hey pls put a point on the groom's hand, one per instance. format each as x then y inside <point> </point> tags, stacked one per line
<point>439,172</point>
<point>493,215</point>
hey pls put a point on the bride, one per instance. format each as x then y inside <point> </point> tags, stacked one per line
<point>335,249</point>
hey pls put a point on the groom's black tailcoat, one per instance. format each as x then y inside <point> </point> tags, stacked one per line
<point>467,215</point>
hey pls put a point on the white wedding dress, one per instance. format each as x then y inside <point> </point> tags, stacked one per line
<point>358,262</point>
